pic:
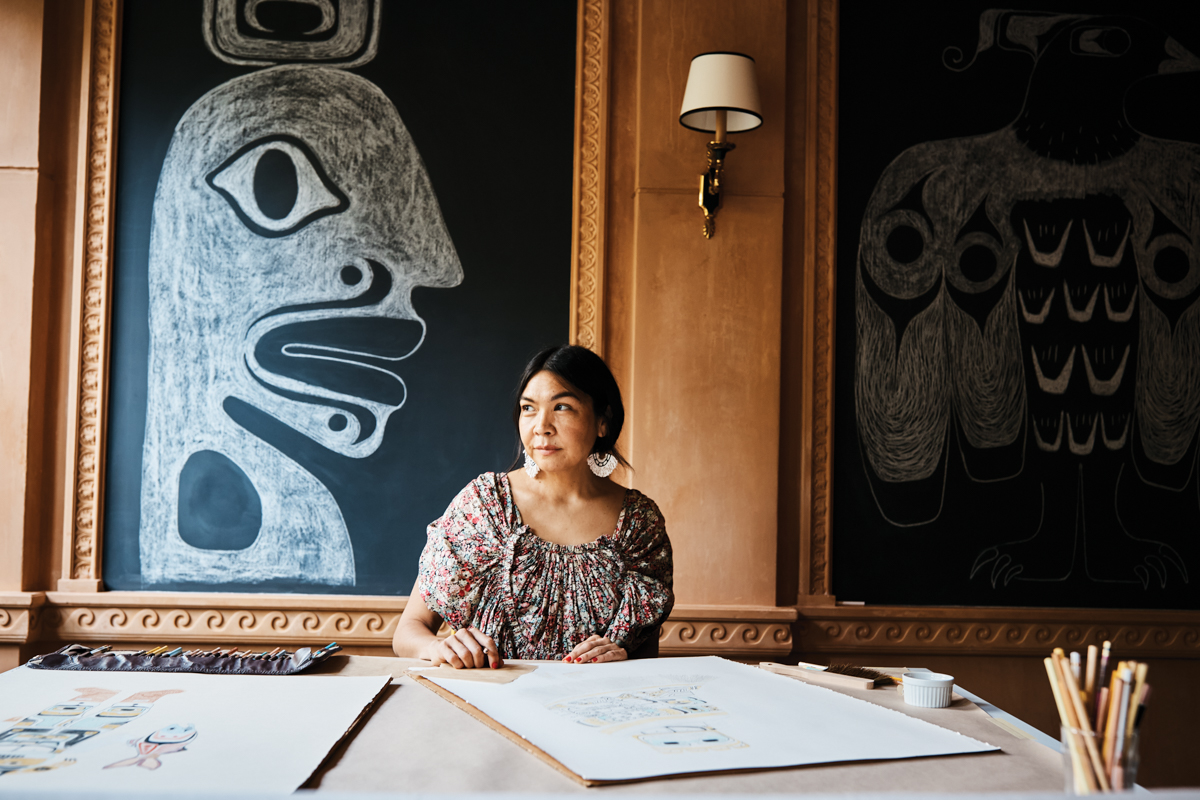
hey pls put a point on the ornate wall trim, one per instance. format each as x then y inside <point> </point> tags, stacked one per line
<point>750,632</point>
<point>591,175</point>
<point>350,620</point>
<point>996,631</point>
<point>20,616</point>
<point>215,618</point>
<point>821,222</point>
<point>81,548</point>
<point>735,631</point>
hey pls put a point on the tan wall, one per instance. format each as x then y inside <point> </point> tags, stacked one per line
<point>721,346</point>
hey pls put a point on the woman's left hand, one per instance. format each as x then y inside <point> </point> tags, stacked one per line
<point>595,649</point>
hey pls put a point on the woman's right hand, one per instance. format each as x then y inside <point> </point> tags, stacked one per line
<point>468,648</point>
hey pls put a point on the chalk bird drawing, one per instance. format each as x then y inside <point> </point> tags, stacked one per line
<point>1032,293</point>
<point>292,220</point>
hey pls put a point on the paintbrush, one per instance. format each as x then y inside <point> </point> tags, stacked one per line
<point>846,676</point>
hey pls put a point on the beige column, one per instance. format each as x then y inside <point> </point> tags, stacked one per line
<point>20,409</point>
<point>705,370</point>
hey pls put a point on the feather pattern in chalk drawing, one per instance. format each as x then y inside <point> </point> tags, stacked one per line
<point>1026,310</point>
<point>292,220</point>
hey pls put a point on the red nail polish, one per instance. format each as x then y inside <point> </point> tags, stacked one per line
<point>495,665</point>
<point>567,659</point>
<point>593,661</point>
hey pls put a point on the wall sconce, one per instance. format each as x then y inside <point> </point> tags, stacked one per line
<point>721,97</point>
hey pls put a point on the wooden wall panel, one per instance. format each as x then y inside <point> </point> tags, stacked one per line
<point>18,225</point>
<point>20,184</point>
<point>20,82</point>
<point>704,333</point>
<point>706,367</point>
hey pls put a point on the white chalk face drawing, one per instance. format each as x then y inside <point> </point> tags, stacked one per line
<point>1026,311</point>
<point>292,220</point>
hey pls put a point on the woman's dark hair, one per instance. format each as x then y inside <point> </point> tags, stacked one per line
<point>588,373</point>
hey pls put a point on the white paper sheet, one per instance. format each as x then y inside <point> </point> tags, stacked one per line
<point>641,719</point>
<point>167,732</point>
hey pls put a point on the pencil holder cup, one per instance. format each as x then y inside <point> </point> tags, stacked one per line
<point>1083,750</point>
<point>928,689</point>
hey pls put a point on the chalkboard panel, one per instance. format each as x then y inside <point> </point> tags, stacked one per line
<point>341,228</point>
<point>1018,305</point>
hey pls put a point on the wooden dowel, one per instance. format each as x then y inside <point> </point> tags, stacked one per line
<point>1089,738</point>
<point>1079,767</point>
<point>1135,696</point>
<point>1089,684</point>
<point>1110,725</point>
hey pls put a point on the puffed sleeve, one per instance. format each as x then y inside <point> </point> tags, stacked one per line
<point>464,545</point>
<point>645,591</point>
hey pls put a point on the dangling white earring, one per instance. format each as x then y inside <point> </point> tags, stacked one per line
<point>531,466</point>
<point>602,466</point>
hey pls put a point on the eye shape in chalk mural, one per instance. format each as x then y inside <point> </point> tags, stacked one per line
<point>277,186</point>
<point>283,255</point>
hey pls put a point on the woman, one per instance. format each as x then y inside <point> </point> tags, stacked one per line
<point>553,560</point>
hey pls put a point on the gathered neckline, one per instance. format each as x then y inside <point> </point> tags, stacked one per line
<point>593,544</point>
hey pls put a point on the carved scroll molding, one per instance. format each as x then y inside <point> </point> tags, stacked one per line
<point>727,631</point>
<point>352,621</point>
<point>996,631</point>
<point>821,221</point>
<point>591,176</point>
<point>21,616</point>
<point>207,618</point>
<point>81,550</point>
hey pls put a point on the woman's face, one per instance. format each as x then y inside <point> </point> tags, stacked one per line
<point>558,425</point>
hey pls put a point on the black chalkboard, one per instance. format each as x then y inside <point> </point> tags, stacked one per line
<point>972,466</point>
<point>303,205</point>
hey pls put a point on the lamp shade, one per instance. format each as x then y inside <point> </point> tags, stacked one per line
<point>721,81</point>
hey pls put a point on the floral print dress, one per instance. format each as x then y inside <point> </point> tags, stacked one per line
<point>483,566</point>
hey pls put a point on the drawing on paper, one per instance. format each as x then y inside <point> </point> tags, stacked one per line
<point>641,705</point>
<point>152,747</point>
<point>630,711</point>
<point>158,731</point>
<point>1026,311</point>
<point>283,256</point>
<point>688,738</point>
<point>31,743</point>
<point>631,720</point>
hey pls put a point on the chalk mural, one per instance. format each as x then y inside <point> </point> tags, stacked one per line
<point>283,253</point>
<point>1026,312</point>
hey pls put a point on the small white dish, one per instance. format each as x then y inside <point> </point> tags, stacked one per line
<point>928,689</point>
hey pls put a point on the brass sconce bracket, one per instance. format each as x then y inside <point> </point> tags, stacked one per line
<point>710,184</point>
<point>722,97</point>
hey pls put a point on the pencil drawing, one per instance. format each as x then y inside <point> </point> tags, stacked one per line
<point>616,710</point>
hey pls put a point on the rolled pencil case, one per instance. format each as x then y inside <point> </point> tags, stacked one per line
<point>71,658</point>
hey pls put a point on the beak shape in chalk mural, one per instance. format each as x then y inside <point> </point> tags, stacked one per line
<point>341,366</point>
